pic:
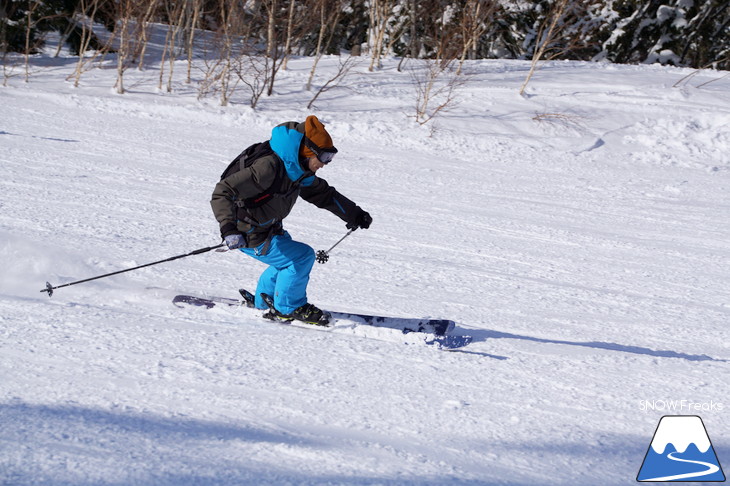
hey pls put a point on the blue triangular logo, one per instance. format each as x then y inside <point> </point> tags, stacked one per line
<point>680,451</point>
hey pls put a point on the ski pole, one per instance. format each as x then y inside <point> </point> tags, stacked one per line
<point>323,256</point>
<point>49,288</point>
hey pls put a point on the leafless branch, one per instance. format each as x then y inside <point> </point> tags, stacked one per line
<point>336,80</point>
<point>436,88</point>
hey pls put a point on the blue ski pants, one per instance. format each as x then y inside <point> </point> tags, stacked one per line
<point>286,279</point>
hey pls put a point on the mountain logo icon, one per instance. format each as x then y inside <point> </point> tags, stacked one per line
<point>680,451</point>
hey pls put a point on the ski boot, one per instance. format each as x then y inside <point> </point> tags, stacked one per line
<point>307,313</point>
<point>311,314</point>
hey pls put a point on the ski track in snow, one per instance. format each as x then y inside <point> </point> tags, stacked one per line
<point>587,254</point>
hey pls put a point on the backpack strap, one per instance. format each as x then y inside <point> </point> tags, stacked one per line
<point>245,159</point>
<point>248,157</point>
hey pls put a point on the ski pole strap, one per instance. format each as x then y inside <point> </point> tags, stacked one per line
<point>49,288</point>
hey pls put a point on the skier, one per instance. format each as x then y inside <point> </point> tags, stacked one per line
<point>256,193</point>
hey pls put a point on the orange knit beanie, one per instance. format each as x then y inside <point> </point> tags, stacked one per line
<point>314,130</point>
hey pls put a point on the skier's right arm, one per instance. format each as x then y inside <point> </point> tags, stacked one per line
<point>245,183</point>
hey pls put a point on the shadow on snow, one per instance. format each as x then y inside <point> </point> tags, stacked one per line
<point>484,335</point>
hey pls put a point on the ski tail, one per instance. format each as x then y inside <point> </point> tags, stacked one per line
<point>248,298</point>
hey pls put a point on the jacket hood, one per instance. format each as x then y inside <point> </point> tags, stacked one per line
<point>285,142</point>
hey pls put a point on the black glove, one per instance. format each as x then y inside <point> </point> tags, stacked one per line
<point>361,220</point>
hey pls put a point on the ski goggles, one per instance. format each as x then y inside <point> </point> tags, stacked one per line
<point>324,155</point>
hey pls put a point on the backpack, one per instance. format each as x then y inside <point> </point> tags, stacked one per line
<point>246,159</point>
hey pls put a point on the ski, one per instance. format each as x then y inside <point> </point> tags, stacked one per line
<point>437,331</point>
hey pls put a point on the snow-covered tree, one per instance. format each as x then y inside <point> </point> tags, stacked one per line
<point>678,32</point>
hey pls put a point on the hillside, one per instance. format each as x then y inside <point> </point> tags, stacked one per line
<point>580,234</point>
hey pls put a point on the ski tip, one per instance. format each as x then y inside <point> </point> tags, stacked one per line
<point>450,325</point>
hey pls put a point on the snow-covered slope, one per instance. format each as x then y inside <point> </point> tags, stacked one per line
<point>581,234</point>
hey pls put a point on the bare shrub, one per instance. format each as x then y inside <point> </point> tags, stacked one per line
<point>253,72</point>
<point>556,34</point>
<point>562,119</point>
<point>144,17</point>
<point>30,42</point>
<point>329,16</point>
<point>437,84</point>
<point>219,76</point>
<point>232,61</point>
<point>124,15</point>
<point>336,80</point>
<point>476,18</point>
<point>379,12</point>
<point>175,16</point>
<point>686,79</point>
<point>84,18</point>
<point>8,60</point>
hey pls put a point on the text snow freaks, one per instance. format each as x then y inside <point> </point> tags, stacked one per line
<point>680,406</point>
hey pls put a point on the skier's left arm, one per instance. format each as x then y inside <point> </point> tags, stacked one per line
<point>324,196</point>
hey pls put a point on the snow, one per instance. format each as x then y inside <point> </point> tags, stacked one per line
<point>580,234</point>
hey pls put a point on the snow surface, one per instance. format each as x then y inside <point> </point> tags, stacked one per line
<point>581,234</point>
